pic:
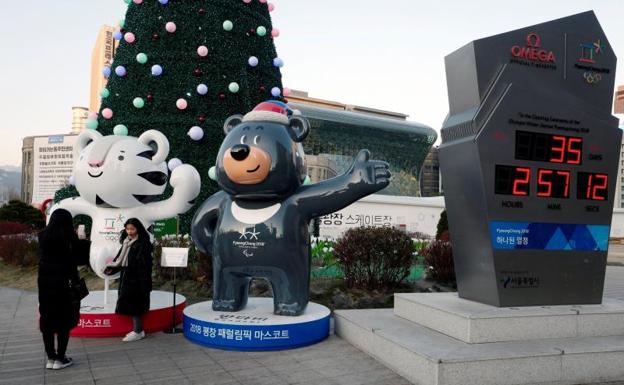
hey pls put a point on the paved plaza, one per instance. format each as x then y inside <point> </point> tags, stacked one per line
<point>172,360</point>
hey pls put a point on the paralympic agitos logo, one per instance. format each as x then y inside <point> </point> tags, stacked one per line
<point>533,50</point>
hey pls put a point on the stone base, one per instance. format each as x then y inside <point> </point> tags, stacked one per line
<point>98,318</point>
<point>428,357</point>
<point>255,327</point>
<point>475,322</point>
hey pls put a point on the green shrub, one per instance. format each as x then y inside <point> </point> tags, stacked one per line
<point>20,212</point>
<point>439,265</point>
<point>374,257</point>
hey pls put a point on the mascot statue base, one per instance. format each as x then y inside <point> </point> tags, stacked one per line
<point>255,328</point>
<point>97,320</point>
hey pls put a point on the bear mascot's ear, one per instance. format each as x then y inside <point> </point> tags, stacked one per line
<point>150,137</point>
<point>299,128</point>
<point>232,122</point>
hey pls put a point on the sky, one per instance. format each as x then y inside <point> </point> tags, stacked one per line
<point>381,54</point>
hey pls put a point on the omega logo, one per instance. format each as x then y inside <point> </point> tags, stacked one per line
<point>533,51</point>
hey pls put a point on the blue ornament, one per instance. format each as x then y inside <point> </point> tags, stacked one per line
<point>277,62</point>
<point>163,2</point>
<point>253,61</point>
<point>157,70</point>
<point>106,71</point>
<point>202,89</point>
<point>117,35</point>
<point>120,71</point>
<point>275,91</point>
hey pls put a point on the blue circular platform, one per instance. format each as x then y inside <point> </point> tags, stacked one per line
<point>255,327</point>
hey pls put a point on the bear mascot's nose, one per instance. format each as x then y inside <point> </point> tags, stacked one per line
<point>240,152</point>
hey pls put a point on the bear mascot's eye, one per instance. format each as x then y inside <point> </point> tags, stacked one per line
<point>257,139</point>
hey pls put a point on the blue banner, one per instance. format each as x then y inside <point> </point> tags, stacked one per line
<point>549,236</point>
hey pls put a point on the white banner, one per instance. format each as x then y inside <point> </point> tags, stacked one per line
<point>174,257</point>
<point>53,164</point>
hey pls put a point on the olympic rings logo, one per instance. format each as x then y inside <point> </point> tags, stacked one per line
<point>592,78</point>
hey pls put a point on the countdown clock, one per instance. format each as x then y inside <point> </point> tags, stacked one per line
<point>529,160</point>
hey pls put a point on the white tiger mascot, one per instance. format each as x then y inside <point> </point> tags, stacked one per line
<point>116,177</point>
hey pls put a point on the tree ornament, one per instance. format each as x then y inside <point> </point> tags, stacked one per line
<point>201,11</point>
<point>122,23</point>
<point>181,104</point>
<point>157,70</point>
<point>141,58</point>
<point>106,71</point>
<point>121,71</point>
<point>120,130</point>
<point>261,31</point>
<point>228,25</point>
<point>107,113</point>
<point>234,87</point>
<point>117,35</point>
<point>150,98</point>
<point>163,2</point>
<point>138,102</point>
<point>155,37</point>
<point>202,118</point>
<point>104,93</point>
<point>253,61</point>
<point>202,89</point>
<point>275,32</point>
<point>138,2</point>
<point>174,163</point>
<point>277,62</point>
<point>129,37</point>
<point>93,115</point>
<point>92,124</point>
<point>212,173</point>
<point>196,133</point>
<point>202,51</point>
<point>171,27</point>
<point>271,7</point>
<point>198,72</point>
<point>275,91</point>
<point>222,96</point>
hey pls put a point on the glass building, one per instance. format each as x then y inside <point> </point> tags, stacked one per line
<point>338,132</point>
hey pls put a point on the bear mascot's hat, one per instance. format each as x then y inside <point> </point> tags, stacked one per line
<point>270,111</point>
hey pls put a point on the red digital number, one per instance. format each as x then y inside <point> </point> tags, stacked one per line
<point>558,149</point>
<point>521,182</point>
<point>574,152</point>
<point>566,191</point>
<point>541,183</point>
<point>598,186</point>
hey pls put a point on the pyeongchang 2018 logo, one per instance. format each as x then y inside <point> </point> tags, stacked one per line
<point>533,54</point>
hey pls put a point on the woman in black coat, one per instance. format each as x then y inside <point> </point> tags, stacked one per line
<point>60,251</point>
<point>135,283</point>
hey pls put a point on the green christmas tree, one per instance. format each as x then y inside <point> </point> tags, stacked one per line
<point>183,67</point>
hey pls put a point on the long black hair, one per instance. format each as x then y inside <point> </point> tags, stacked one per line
<point>143,235</point>
<point>60,229</point>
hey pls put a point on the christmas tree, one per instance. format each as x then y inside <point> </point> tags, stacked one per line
<point>183,67</point>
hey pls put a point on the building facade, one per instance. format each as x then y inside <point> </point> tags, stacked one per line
<point>619,101</point>
<point>102,55</point>
<point>618,109</point>
<point>79,119</point>
<point>339,131</point>
<point>430,178</point>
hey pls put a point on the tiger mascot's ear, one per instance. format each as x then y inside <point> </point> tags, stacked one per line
<point>151,137</point>
<point>85,137</point>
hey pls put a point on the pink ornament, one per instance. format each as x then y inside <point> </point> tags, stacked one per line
<point>286,91</point>
<point>181,104</point>
<point>263,1</point>
<point>275,32</point>
<point>138,1</point>
<point>171,27</point>
<point>129,37</point>
<point>246,1</point>
<point>202,51</point>
<point>93,115</point>
<point>271,7</point>
<point>107,113</point>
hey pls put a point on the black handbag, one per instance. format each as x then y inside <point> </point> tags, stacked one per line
<point>78,290</point>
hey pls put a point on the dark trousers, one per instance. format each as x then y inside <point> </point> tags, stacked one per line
<point>62,341</point>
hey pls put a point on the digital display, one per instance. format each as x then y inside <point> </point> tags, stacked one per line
<point>553,183</point>
<point>549,148</point>
<point>512,180</point>
<point>592,186</point>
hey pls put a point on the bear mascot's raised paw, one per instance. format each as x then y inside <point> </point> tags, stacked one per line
<point>257,225</point>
